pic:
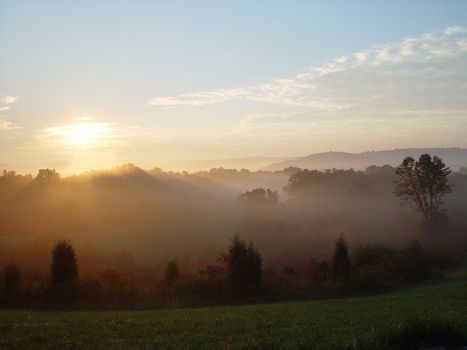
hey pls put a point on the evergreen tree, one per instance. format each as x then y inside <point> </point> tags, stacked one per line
<point>64,268</point>
<point>244,268</point>
<point>341,260</point>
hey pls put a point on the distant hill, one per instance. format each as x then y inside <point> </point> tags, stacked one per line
<point>453,157</point>
<point>251,163</point>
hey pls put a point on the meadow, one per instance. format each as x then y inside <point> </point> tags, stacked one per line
<point>350,323</point>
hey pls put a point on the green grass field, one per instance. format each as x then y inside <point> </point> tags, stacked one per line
<point>320,324</point>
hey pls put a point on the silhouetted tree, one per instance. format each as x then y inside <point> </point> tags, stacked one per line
<point>244,267</point>
<point>259,197</point>
<point>47,176</point>
<point>11,281</point>
<point>172,272</point>
<point>254,269</point>
<point>64,268</point>
<point>341,259</point>
<point>8,175</point>
<point>423,182</point>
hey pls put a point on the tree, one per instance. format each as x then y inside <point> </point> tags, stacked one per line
<point>172,272</point>
<point>244,268</point>
<point>45,176</point>
<point>64,268</point>
<point>254,270</point>
<point>341,260</point>
<point>259,197</point>
<point>424,183</point>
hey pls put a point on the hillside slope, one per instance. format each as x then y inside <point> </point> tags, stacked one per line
<point>453,157</point>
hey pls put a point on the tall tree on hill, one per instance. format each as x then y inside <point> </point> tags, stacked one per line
<point>424,183</point>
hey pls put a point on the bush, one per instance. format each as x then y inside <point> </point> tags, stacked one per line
<point>371,255</point>
<point>414,264</point>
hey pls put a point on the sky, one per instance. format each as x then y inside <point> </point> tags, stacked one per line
<point>93,84</point>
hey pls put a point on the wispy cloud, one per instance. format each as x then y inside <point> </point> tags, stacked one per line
<point>5,105</point>
<point>198,98</point>
<point>344,81</point>
<point>6,125</point>
<point>6,100</point>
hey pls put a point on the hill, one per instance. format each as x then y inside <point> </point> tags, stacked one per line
<point>453,157</point>
<point>325,324</point>
<point>251,163</point>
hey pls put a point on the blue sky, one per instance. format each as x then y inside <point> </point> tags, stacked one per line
<point>159,81</point>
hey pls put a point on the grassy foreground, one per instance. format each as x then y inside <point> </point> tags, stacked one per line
<point>323,324</point>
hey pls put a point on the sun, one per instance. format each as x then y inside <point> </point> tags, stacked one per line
<point>85,134</point>
<point>80,134</point>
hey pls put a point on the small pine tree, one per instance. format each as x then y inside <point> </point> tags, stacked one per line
<point>172,272</point>
<point>244,267</point>
<point>341,260</point>
<point>64,268</point>
<point>254,269</point>
<point>237,257</point>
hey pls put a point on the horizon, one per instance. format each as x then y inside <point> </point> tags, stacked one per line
<point>263,163</point>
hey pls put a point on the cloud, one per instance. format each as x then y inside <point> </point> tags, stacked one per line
<point>198,98</point>
<point>5,105</point>
<point>6,125</point>
<point>455,30</point>
<point>327,87</point>
<point>6,100</point>
<point>352,132</point>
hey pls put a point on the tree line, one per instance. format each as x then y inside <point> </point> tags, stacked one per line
<point>239,273</point>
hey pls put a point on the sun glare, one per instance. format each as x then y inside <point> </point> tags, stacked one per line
<point>84,134</point>
<point>80,134</point>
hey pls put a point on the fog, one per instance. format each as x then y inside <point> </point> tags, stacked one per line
<point>130,219</point>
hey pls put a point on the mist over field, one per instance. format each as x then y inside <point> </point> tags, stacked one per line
<point>130,219</point>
